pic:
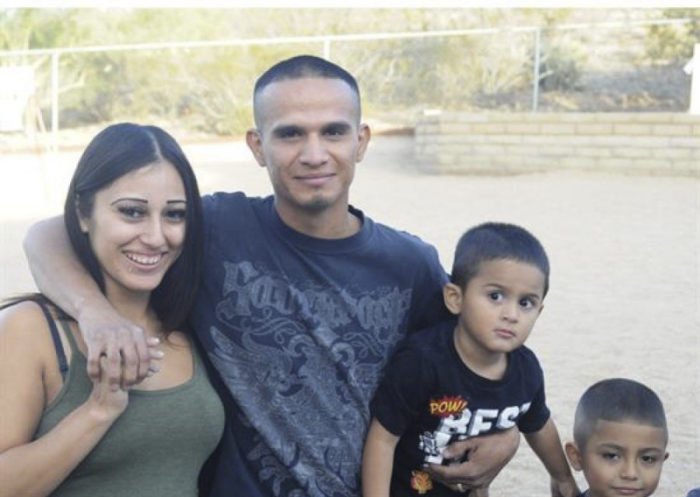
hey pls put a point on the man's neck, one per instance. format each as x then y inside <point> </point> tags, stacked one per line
<point>328,224</point>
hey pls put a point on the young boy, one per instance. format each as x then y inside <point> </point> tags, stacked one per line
<point>468,377</point>
<point>620,438</point>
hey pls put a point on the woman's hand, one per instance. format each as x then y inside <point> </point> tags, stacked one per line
<point>117,348</point>
<point>105,401</point>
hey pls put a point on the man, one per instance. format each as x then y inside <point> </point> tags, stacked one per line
<point>303,300</point>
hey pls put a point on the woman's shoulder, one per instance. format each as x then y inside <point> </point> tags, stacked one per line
<point>23,323</point>
<point>29,374</point>
<point>22,311</point>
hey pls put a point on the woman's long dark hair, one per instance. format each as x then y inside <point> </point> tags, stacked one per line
<point>118,150</point>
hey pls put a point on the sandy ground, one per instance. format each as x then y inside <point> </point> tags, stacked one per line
<point>625,254</point>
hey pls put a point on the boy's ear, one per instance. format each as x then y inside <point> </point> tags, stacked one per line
<point>452,295</point>
<point>573,455</point>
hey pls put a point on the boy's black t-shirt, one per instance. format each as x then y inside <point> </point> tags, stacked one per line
<point>430,398</point>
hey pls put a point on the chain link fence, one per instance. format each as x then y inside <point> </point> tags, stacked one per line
<point>205,87</point>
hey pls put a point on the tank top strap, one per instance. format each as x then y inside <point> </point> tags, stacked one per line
<point>57,343</point>
<point>69,333</point>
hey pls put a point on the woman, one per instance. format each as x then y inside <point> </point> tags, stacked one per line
<point>133,216</point>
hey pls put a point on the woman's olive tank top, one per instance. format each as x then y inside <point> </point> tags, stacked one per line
<point>156,447</point>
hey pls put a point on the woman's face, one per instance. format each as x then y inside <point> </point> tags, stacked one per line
<point>137,228</point>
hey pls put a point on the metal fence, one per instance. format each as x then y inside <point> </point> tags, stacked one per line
<point>582,67</point>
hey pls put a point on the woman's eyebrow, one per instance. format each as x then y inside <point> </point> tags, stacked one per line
<point>130,199</point>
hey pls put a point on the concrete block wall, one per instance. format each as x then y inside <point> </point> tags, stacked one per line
<point>514,143</point>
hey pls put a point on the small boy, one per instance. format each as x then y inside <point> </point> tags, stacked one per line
<point>471,376</point>
<point>620,438</point>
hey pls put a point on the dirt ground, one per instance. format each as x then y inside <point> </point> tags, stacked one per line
<point>625,254</point>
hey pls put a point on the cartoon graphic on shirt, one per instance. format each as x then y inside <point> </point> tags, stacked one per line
<point>458,422</point>
<point>421,482</point>
<point>447,406</point>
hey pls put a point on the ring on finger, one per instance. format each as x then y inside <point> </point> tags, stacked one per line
<point>460,488</point>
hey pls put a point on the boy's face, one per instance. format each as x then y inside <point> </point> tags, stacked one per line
<point>621,459</point>
<point>499,307</point>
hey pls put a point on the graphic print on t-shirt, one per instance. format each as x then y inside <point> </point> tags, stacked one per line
<point>296,354</point>
<point>458,422</point>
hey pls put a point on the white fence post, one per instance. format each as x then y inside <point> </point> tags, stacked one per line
<point>695,81</point>
<point>327,49</point>
<point>17,88</point>
<point>536,71</point>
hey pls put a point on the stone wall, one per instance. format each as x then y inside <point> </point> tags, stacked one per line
<point>513,143</point>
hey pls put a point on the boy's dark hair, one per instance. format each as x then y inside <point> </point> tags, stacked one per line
<point>493,241</point>
<point>619,400</point>
<point>305,66</point>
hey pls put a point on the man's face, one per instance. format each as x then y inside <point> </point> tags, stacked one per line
<point>309,138</point>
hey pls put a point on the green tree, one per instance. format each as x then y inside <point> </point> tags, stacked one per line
<point>673,43</point>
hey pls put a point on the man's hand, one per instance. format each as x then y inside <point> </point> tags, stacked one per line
<point>118,345</point>
<point>487,456</point>
<point>62,278</point>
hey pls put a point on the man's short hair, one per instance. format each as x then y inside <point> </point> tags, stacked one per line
<point>496,241</point>
<point>304,66</point>
<point>300,67</point>
<point>618,400</point>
